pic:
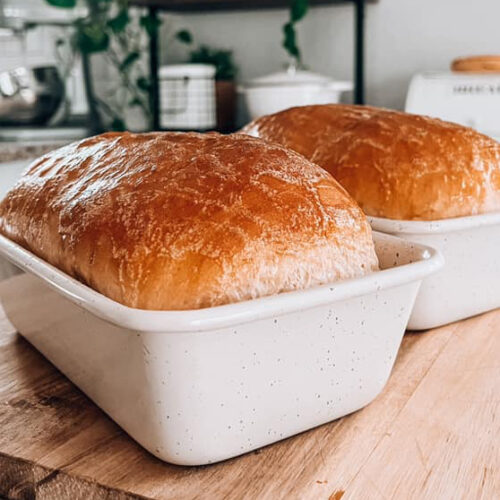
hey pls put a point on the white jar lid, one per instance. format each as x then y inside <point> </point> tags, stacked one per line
<point>288,77</point>
<point>187,70</point>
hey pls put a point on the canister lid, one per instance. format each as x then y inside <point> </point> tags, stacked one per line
<point>295,77</point>
<point>187,70</point>
<point>290,77</point>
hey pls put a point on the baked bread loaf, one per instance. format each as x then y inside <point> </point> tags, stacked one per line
<point>185,220</point>
<point>395,165</point>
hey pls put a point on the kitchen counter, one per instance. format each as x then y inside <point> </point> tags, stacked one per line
<point>432,433</point>
<point>11,151</point>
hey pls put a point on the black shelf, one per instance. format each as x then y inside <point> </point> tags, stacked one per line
<point>155,6</point>
<point>226,5</point>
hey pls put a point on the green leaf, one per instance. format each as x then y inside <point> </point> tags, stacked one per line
<point>65,4</point>
<point>120,21</point>
<point>184,36</point>
<point>225,69</point>
<point>290,40</point>
<point>143,83</point>
<point>150,24</point>
<point>118,125</point>
<point>91,37</point>
<point>134,102</point>
<point>298,9</point>
<point>129,60</point>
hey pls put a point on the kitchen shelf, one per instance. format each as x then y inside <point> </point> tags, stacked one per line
<point>156,6</point>
<point>204,5</point>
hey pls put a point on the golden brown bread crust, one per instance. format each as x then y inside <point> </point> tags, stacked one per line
<point>185,221</point>
<point>395,165</point>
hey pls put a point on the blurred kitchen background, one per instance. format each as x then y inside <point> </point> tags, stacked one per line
<point>79,67</point>
<point>74,68</point>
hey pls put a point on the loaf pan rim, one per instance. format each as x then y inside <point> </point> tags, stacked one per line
<point>228,315</point>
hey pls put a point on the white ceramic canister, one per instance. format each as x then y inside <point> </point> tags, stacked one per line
<point>187,97</point>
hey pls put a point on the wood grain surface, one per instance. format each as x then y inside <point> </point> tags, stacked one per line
<point>433,433</point>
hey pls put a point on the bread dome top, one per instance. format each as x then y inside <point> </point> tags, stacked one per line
<point>187,220</point>
<point>395,165</point>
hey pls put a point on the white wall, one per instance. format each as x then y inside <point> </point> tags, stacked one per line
<point>403,37</point>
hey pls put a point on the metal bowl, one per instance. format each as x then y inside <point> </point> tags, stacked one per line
<point>30,96</point>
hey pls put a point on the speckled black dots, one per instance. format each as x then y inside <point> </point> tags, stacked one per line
<point>310,349</point>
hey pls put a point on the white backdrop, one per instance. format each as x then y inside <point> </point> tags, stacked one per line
<point>403,37</point>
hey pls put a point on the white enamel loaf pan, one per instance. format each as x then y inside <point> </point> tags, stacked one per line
<point>469,282</point>
<point>195,387</point>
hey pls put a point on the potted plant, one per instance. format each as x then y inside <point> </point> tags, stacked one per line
<point>225,74</point>
<point>298,10</point>
<point>295,86</point>
<point>107,28</point>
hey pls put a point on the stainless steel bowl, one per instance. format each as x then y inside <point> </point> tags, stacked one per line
<point>30,96</point>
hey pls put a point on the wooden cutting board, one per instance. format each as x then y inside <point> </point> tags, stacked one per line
<point>434,433</point>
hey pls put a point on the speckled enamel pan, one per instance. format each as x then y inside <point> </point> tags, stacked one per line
<point>195,387</point>
<point>469,282</point>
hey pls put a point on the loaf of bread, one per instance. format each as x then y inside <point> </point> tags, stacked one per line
<point>185,221</point>
<point>395,165</point>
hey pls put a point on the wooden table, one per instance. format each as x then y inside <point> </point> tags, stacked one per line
<point>434,433</point>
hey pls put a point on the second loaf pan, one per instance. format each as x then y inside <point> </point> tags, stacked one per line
<point>469,282</point>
